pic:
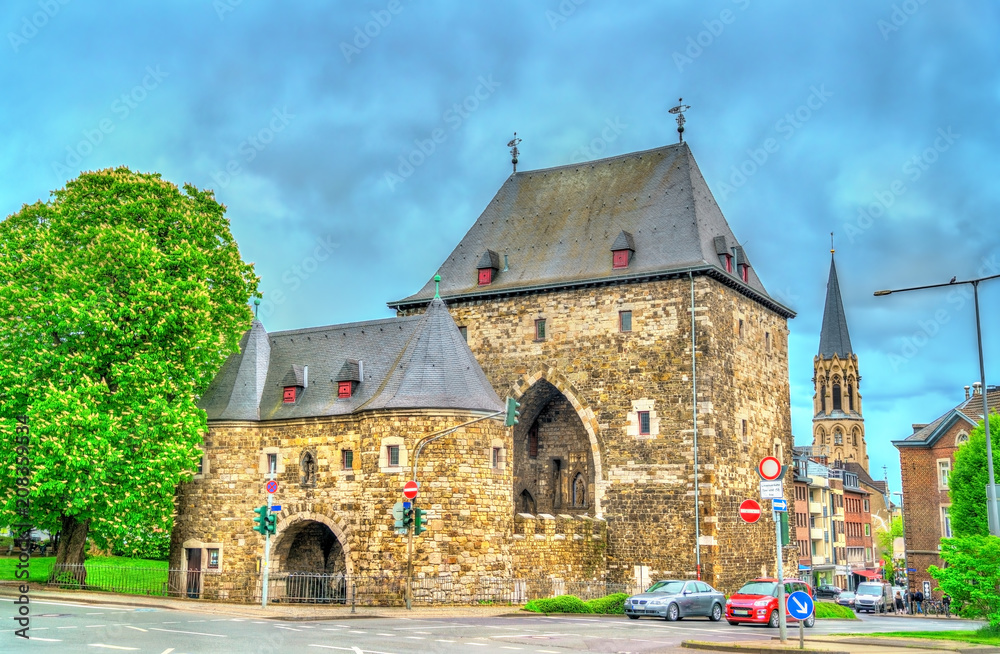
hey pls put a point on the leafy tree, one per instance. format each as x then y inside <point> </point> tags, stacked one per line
<point>120,298</point>
<point>884,540</point>
<point>972,576</point>
<point>968,479</point>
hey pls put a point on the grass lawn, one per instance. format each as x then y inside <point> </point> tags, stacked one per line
<point>980,637</point>
<point>831,610</point>
<point>116,573</point>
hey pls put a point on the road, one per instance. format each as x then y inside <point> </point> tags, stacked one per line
<point>69,628</point>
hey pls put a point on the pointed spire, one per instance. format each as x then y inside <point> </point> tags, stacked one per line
<point>834,337</point>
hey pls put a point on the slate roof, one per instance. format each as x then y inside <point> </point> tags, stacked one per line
<point>834,338</point>
<point>558,225</point>
<point>409,362</point>
<point>969,411</point>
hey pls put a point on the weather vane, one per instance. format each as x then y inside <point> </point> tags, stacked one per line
<point>512,144</point>
<point>679,110</point>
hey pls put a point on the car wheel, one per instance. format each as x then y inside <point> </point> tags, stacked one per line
<point>673,613</point>
<point>716,613</point>
<point>633,617</point>
<point>810,621</point>
<point>772,620</point>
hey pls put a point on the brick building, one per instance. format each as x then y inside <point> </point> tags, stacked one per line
<point>926,457</point>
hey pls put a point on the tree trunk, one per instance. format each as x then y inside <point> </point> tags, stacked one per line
<point>70,551</point>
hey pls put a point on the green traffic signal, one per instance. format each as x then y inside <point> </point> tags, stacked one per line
<point>419,521</point>
<point>271,524</point>
<point>512,412</point>
<point>407,516</point>
<point>260,522</point>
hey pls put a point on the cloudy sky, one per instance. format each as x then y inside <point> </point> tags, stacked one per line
<point>300,116</point>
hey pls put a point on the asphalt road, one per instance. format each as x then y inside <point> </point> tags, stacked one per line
<point>69,628</point>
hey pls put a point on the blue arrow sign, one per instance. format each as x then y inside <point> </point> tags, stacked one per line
<point>779,504</point>
<point>800,605</point>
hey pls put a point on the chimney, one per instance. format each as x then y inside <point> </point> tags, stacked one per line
<point>977,388</point>
<point>966,392</point>
<point>305,376</point>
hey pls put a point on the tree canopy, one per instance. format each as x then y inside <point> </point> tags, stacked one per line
<point>885,540</point>
<point>120,298</point>
<point>968,479</point>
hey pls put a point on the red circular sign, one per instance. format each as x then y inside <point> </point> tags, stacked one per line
<point>769,468</point>
<point>272,487</point>
<point>750,511</point>
<point>410,490</point>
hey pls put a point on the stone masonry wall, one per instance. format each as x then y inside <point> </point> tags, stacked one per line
<point>563,546</point>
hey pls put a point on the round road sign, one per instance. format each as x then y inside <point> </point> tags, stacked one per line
<point>410,490</point>
<point>769,468</point>
<point>272,487</point>
<point>750,511</point>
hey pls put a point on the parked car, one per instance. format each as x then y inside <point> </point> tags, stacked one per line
<point>757,602</point>
<point>846,598</point>
<point>827,591</point>
<point>872,596</point>
<point>673,599</point>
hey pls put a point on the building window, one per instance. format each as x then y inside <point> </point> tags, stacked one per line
<point>533,441</point>
<point>745,273</point>
<point>464,331</point>
<point>961,438</point>
<point>868,529</point>
<point>392,454</point>
<point>837,399</point>
<point>485,276</point>
<point>289,396</point>
<point>392,457</point>
<point>495,458</point>
<point>850,397</point>
<point>727,260</point>
<point>343,389</point>
<point>347,459</point>
<point>540,329</point>
<point>644,423</point>
<point>619,259</point>
<point>739,329</point>
<point>822,398</point>
<point>744,430</point>
<point>838,436</point>
<point>272,463</point>
<point>213,559</point>
<point>944,469</point>
<point>945,523</point>
<point>201,465</point>
<point>624,321</point>
<point>767,342</point>
<point>527,502</point>
<point>866,506</point>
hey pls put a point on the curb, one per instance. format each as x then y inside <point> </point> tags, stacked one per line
<point>753,649</point>
<point>915,643</point>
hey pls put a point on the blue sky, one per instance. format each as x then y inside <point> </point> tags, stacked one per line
<point>883,116</point>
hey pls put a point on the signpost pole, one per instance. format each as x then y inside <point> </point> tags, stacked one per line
<point>802,635</point>
<point>267,549</point>
<point>782,626</point>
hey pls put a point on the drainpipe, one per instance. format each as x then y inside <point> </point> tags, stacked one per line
<point>694,421</point>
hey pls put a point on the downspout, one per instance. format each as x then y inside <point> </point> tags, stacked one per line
<point>694,421</point>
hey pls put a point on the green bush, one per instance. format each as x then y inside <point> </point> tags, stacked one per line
<point>613,604</point>
<point>560,604</point>
<point>831,610</point>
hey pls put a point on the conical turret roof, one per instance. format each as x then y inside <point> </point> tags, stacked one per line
<point>834,337</point>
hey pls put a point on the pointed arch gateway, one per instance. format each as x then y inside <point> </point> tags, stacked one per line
<point>311,542</point>
<point>560,429</point>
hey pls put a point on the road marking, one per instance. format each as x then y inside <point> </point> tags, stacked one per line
<point>414,637</point>
<point>167,651</point>
<point>509,647</point>
<point>197,620</point>
<point>178,622</point>
<point>136,628</point>
<point>356,650</point>
<point>278,626</point>
<point>191,633</point>
<point>97,613</point>
<point>218,620</point>
<point>82,606</point>
<point>91,626</point>
<point>48,640</point>
<point>65,627</point>
<point>547,651</point>
<point>389,635</point>
<point>133,649</point>
<point>357,632</point>
<point>444,641</point>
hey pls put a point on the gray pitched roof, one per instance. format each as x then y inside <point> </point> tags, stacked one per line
<point>969,411</point>
<point>296,376</point>
<point>350,371</point>
<point>623,242</point>
<point>556,227</point>
<point>410,362</point>
<point>833,337</point>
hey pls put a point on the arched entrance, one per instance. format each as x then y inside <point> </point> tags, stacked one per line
<point>312,553</point>
<point>557,461</point>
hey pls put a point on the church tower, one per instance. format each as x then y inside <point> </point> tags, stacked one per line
<point>838,424</point>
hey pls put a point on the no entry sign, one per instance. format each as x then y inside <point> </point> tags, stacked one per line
<point>750,511</point>
<point>410,490</point>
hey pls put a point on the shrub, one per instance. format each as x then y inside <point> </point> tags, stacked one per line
<point>613,604</point>
<point>560,604</point>
<point>831,610</point>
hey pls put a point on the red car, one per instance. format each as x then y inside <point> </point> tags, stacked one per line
<point>757,602</point>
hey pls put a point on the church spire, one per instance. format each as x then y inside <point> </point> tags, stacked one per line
<point>834,338</point>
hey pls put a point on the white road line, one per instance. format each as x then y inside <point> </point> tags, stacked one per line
<point>66,627</point>
<point>509,647</point>
<point>389,635</point>
<point>547,651</point>
<point>91,626</point>
<point>357,632</point>
<point>82,606</point>
<point>415,637</point>
<point>167,651</point>
<point>477,644</point>
<point>261,622</point>
<point>97,613</point>
<point>444,641</point>
<point>136,628</point>
<point>40,628</point>
<point>178,622</point>
<point>356,650</point>
<point>278,626</point>
<point>48,640</point>
<point>134,649</point>
<point>191,633</point>
<point>218,619</point>
<point>197,620</point>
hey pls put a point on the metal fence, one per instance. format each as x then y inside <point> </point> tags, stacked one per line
<point>311,588</point>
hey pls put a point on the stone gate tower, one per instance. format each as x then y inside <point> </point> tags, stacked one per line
<point>838,424</point>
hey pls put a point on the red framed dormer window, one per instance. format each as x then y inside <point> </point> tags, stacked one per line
<point>485,276</point>
<point>729,262</point>
<point>745,273</point>
<point>343,389</point>
<point>289,396</point>
<point>619,259</point>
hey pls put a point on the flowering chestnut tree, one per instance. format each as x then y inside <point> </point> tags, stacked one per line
<point>120,298</point>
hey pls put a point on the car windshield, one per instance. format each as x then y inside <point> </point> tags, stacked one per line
<point>672,587</point>
<point>870,589</point>
<point>759,588</point>
<point>846,595</point>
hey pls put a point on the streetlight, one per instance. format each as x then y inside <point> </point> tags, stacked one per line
<point>991,490</point>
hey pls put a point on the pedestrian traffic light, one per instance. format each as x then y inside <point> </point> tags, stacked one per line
<point>260,522</point>
<point>271,524</point>
<point>419,521</point>
<point>512,412</point>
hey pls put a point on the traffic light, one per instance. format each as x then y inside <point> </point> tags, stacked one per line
<point>260,522</point>
<point>419,521</point>
<point>407,516</point>
<point>512,412</point>
<point>785,536</point>
<point>397,516</point>
<point>271,524</point>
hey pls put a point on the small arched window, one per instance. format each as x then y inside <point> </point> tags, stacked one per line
<point>822,398</point>
<point>836,398</point>
<point>527,502</point>
<point>850,397</point>
<point>961,438</point>
<point>838,437</point>
<point>579,491</point>
<point>533,441</point>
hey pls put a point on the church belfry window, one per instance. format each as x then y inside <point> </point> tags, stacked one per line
<point>488,266</point>
<point>850,396</point>
<point>622,251</point>
<point>837,399</point>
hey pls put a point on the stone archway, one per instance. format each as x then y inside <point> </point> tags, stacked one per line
<point>535,391</point>
<point>312,542</point>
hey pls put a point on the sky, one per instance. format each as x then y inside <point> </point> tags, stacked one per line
<point>355,143</point>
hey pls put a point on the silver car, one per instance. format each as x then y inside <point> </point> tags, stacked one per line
<point>675,599</point>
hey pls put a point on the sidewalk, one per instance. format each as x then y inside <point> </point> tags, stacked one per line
<point>846,645</point>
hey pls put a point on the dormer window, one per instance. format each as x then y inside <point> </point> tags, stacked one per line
<point>742,265</point>
<point>622,250</point>
<point>296,380</point>
<point>728,262</point>
<point>290,394</point>
<point>350,375</point>
<point>488,266</point>
<point>725,254</point>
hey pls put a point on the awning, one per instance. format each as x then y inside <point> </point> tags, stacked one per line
<point>871,574</point>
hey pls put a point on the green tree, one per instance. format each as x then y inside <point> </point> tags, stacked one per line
<point>884,540</point>
<point>968,479</point>
<point>972,576</point>
<point>120,298</point>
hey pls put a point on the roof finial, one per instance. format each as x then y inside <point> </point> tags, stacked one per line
<point>437,287</point>
<point>831,243</point>
<point>679,110</point>
<point>256,305</point>
<point>512,144</point>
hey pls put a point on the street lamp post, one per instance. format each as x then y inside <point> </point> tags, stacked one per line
<point>991,491</point>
